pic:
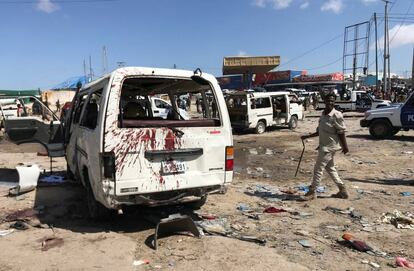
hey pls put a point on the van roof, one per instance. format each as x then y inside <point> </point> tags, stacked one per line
<point>131,71</point>
<point>261,94</point>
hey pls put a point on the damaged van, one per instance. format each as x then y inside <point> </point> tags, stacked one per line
<point>125,153</point>
<point>259,110</point>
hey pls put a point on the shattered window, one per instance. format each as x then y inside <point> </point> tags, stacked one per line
<point>78,108</point>
<point>157,102</point>
<point>90,117</point>
<point>234,102</point>
<point>260,103</point>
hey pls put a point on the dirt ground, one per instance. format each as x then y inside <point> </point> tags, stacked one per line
<point>61,237</point>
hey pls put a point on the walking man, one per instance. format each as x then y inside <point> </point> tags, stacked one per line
<point>331,132</point>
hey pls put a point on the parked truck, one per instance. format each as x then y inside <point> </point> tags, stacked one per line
<point>388,121</point>
<point>357,100</point>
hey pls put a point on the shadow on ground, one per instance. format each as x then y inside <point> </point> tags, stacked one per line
<point>383,181</point>
<point>397,137</point>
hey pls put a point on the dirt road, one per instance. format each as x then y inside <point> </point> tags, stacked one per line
<point>60,237</point>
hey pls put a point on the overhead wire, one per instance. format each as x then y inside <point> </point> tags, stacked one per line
<point>395,34</point>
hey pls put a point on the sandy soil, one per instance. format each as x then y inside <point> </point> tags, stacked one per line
<point>375,172</point>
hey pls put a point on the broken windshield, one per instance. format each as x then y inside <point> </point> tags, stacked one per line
<point>172,102</point>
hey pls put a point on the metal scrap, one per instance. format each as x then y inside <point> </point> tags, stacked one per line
<point>399,219</point>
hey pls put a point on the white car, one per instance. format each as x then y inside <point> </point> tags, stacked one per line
<point>387,121</point>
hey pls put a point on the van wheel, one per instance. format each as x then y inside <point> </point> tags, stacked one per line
<point>197,204</point>
<point>96,210</point>
<point>381,129</point>
<point>395,131</point>
<point>260,127</point>
<point>293,123</point>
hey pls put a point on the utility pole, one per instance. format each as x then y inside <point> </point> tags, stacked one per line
<point>104,60</point>
<point>90,68</point>
<point>386,50</point>
<point>376,53</point>
<point>84,68</point>
<point>354,63</point>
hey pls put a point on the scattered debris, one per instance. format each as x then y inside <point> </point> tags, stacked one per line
<point>305,188</point>
<point>374,265</point>
<point>140,262</point>
<point>243,207</point>
<point>220,227</point>
<point>19,225</point>
<point>208,216</point>
<point>253,151</point>
<point>253,239</point>
<point>406,194</point>
<point>403,262</point>
<point>252,216</point>
<point>51,242</point>
<point>302,233</point>
<point>216,226</point>
<point>335,210</point>
<point>6,232</point>
<point>52,179</point>
<point>357,244</point>
<point>28,176</point>
<point>305,243</point>
<point>407,152</point>
<point>20,215</point>
<point>336,228</point>
<point>274,210</point>
<point>399,220</point>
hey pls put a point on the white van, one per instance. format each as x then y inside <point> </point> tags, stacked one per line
<point>124,155</point>
<point>258,110</point>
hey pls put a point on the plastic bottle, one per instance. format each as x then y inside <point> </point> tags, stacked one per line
<point>357,244</point>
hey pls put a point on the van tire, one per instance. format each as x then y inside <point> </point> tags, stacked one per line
<point>96,210</point>
<point>197,204</point>
<point>260,127</point>
<point>381,129</point>
<point>293,123</point>
<point>395,131</point>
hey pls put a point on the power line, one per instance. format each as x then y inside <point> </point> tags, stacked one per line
<point>326,65</point>
<point>395,34</point>
<point>312,50</point>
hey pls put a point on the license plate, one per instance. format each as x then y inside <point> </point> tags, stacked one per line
<point>171,166</point>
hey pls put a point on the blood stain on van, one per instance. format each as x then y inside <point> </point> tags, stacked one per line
<point>169,140</point>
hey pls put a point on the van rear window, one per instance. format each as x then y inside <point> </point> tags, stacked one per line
<point>172,102</point>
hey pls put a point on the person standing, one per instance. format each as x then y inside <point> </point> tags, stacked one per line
<point>331,132</point>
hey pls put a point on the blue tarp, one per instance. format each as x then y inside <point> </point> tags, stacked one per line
<point>72,82</point>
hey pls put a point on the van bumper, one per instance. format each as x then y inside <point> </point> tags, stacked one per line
<point>166,197</point>
<point>364,123</point>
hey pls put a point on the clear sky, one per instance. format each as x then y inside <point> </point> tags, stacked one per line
<point>44,42</point>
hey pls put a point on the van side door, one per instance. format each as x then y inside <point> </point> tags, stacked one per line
<point>41,127</point>
<point>262,108</point>
<point>89,139</point>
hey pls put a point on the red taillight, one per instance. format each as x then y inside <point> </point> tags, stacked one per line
<point>108,164</point>
<point>229,158</point>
